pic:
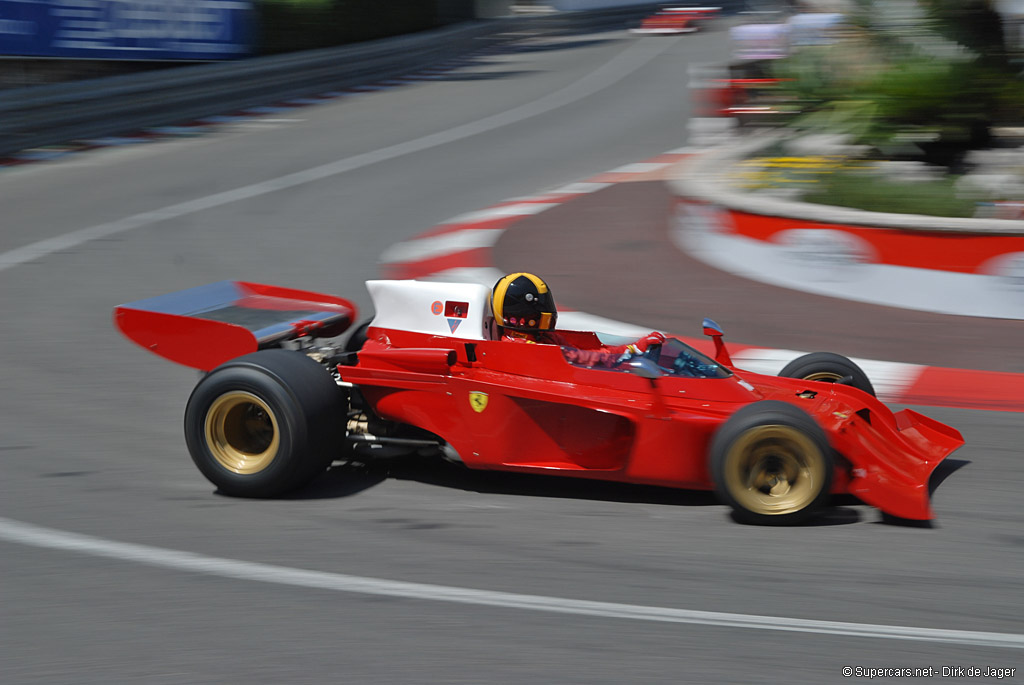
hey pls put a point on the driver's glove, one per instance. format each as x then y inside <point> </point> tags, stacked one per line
<point>641,345</point>
<point>652,338</point>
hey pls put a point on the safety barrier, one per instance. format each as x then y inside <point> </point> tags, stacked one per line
<point>47,115</point>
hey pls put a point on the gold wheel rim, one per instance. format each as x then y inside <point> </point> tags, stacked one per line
<point>774,470</point>
<point>242,433</point>
<point>824,376</point>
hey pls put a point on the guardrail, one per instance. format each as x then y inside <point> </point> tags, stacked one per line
<point>48,115</point>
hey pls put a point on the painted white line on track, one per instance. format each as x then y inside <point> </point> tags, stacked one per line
<point>580,188</point>
<point>439,245</point>
<point>500,212</point>
<point>640,167</point>
<point>622,65</point>
<point>582,321</point>
<point>36,536</point>
<point>484,275</point>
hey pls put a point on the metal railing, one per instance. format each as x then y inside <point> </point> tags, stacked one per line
<point>48,115</point>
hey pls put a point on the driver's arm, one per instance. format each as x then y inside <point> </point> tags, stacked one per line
<point>606,355</point>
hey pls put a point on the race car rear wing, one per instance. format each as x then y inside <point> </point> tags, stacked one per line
<point>206,326</point>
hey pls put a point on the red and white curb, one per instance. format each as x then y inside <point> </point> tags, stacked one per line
<point>459,250</point>
<point>965,274</point>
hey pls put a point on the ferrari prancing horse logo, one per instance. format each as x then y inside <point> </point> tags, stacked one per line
<point>478,400</point>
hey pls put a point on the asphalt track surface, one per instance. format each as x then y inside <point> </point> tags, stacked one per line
<point>305,589</point>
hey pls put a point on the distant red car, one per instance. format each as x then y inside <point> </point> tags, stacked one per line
<point>676,19</point>
<point>746,92</point>
<point>283,400</point>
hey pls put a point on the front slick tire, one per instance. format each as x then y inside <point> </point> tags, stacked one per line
<point>828,367</point>
<point>771,463</point>
<point>265,424</point>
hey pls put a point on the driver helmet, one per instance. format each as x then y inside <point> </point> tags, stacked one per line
<point>523,302</point>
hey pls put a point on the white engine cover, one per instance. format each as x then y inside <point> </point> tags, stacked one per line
<point>454,310</point>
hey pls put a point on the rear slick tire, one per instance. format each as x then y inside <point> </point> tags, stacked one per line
<point>771,462</point>
<point>265,424</point>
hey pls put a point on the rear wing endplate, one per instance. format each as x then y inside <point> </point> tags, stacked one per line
<point>206,326</point>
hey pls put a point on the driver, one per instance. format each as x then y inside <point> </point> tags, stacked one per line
<point>524,310</point>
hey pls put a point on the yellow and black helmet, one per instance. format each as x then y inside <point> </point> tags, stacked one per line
<point>523,302</point>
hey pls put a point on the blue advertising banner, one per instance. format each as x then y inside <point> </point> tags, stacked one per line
<point>126,29</point>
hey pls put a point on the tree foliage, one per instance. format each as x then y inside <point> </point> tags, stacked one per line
<point>975,24</point>
<point>904,101</point>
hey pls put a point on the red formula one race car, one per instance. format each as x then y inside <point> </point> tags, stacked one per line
<point>675,19</point>
<point>283,399</point>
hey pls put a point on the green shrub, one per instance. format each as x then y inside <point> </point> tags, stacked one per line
<point>904,101</point>
<point>874,193</point>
